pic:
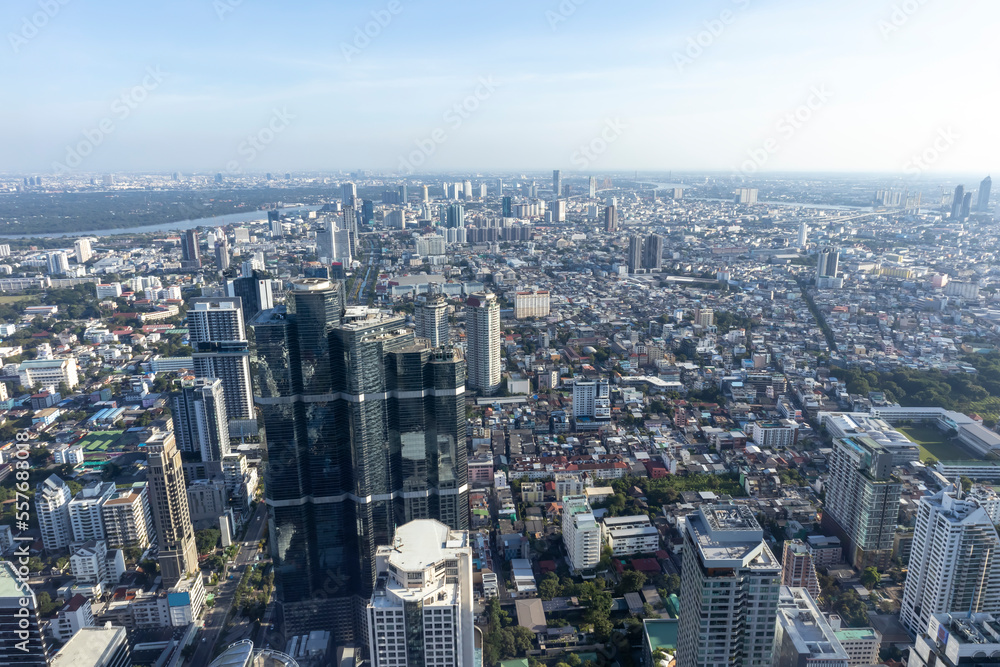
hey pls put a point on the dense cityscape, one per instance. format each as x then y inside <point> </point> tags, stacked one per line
<point>649,419</point>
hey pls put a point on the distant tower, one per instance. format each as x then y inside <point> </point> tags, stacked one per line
<point>431,318</point>
<point>966,205</point>
<point>611,219</point>
<point>829,260</point>
<point>652,253</point>
<point>190,252</point>
<point>58,264</point>
<point>508,207</point>
<point>171,516</point>
<point>956,201</point>
<point>635,254</point>
<point>348,191</point>
<point>482,324</point>
<point>222,254</point>
<point>593,187</point>
<point>803,234</point>
<point>556,184</point>
<point>983,203</point>
<point>456,216</point>
<point>82,249</point>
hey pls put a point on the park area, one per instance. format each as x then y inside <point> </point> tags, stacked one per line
<point>934,442</point>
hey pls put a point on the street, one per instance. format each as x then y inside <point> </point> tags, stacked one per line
<point>215,617</point>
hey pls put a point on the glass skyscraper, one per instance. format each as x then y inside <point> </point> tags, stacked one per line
<point>365,430</point>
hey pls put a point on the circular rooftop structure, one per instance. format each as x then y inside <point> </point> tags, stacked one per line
<point>241,654</point>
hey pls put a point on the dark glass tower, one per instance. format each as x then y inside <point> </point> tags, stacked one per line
<point>365,430</point>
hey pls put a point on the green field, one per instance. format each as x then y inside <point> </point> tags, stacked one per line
<point>933,442</point>
<point>99,441</point>
<point>13,299</point>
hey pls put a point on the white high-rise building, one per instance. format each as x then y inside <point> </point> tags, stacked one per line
<point>82,250</point>
<point>52,499</point>
<point>128,521</point>
<point>58,263</point>
<point>954,562</point>
<point>421,610</point>
<point>803,234</point>
<point>431,317</point>
<point>218,336</point>
<point>730,583</point>
<point>592,400</point>
<point>482,325</point>
<point>581,533</point>
<point>85,511</point>
<point>535,303</point>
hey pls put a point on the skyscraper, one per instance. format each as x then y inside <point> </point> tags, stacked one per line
<point>176,555</point>
<point>198,410</point>
<point>254,291</point>
<point>729,590</point>
<point>421,611</point>
<point>803,234</point>
<point>431,317</point>
<point>556,184</point>
<point>456,216</point>
<point>652,253</point>
<point>636,245</point>
<point>559,210</point>
<point>82,249</point>
<point>482,326</point>
<point>348,191</point>
<point>797,567</point>
<point>983,201</point>
<point>22,643</point>
<point>222,254</point>
<point>365,430</point>
<point>368,210</point>
<point>956,201</point>
<point>828,264</point>
<point>966,206</point>
<point>862,501</point>
<point>58,263</point>
<point>190,252</point>
<point>507,204</point>
<point>954,565</point>
<point>52,499</point>
<point>218,337</point>
<point>611,219</point>
<point>593,187</point>
<point>351,225</point>
<point>581,534</point>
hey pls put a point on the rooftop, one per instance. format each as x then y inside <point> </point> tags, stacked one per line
<point>90,646</point>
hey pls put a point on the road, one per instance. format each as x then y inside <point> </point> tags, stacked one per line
<point>215,618</point>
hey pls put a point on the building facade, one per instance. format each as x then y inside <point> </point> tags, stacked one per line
<point>581,534</point>
<point>201,424</point>
<point>482,326</point>
<point>177,555</point>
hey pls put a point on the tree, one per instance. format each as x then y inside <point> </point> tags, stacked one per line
<point>573,660</point>
<point>632,581</point>
<point>206,540</point>
<point>548,587</point>
<point>602,629</point>
<point>870,578</point>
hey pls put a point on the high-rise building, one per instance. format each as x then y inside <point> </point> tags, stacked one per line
<point>593,187</point>
<point>803,234</point>
<point>456,216</point>
<point>198,411</point>
<point>652,253</point>
<point>95,647</point>
<point>190,252</point>
<point>559,210</point>
<point>220,350</point>
<point>747,196</point>
<point>58,263</point>
<point>52,499</point>
<point>983,201</point>
<point>176,554</point>
<point>966,206</point>
<point>255,292</point>
<point>22,643</point>
<point>862,501</point>
<point>421,611</point>
<point>365,430</point>
<point>636,245</point>
<point>368,210</point>
<point>797,569</point>
<point>431,318</point>
<point>467,190</point>
<point>222,253</point>
<point>348,191</point>
<point>351,225</point>
<point>581,534</point>
<point>953,564</point>
<point>128,520</point>
<point>829,262</point>
<point>556,184</point>
<point>611,219</point>
<point>704,317</point>
<point>533,303</point>
<point>86,511</point>
<point>482,326</point>
<point>803,637</point>
<point>82,250</point>
<point>956,201</point>
<point>730,583</point>
<point>507,204</point>
<point>957,640</point>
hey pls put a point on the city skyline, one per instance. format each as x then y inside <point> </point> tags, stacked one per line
<point>699,88</point>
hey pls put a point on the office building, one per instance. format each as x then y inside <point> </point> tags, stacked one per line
<point>803,235</point>
<point>86,509</point>
<point>958,640</point>
<point>168,500</point>
<point>95,647</point>
<point>22,643</point>
<point>455,216</point>
<point>365,429</point>
<point>58,263</point>
<point>222,253</point>
<point>797,568</point>
<point>956,201</point>
<point>966,206</point>
<point>730,583</point>
<point>630,535</point>
<point>862,501</point>
<point>954,565</point>
<point>592,192</point>
<point>802,635</point>
<point>556,184</point>
<point>52,498</point>
<point>983,200</point>
<point>482,326</point>
<point>220,350</point>
<point>828,264</point>
<point>635,253</point>
<point>861,644</point>
<point>559,210</point>
<point>190,250</point>
<point>254,291</point>
<point>128,520</point>
<point>48,372</point>
<point>747,196</point>
<point>431,318</point>
<point>534,303</point>
<point>581,534</point>
<point>652,253</point>
<point>421,611</point>
<point>82,250</point>
<point>348,192</point>
<point>611,219</point>
<point>507,207</point>
<point>198,411</point>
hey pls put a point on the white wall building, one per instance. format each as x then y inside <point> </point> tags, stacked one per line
<point>48,372</point>
<point>482,324</point>
<point>581,533</point>
<point>85,511</point>
<point>52,499</point>
<point>630,535</point>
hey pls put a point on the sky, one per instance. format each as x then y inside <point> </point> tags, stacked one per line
<point>748,87</point>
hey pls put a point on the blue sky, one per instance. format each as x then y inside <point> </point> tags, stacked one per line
<point>886,79</point>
